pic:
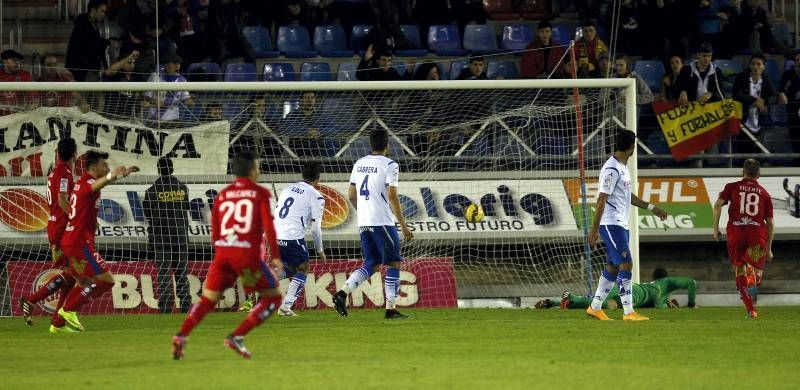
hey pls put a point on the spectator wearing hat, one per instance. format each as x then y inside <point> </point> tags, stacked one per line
<point>699,81</point>
<point>165,206</point>
<point>541,57</point>
<point>86,50</point>
<point>166,107</point>
<point>12,72</point>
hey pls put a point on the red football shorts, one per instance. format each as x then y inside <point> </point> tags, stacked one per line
<point>54,234</point>
<point>747,246</point>
<point>59,260</point>
<point>246,264</point>
<point>84,261</point>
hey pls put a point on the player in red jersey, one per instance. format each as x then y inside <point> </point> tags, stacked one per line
<point>240,222</point>
<point>85,264</point>
<point>750,227</point>
<point>59,187</point>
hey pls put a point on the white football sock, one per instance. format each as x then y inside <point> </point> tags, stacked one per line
<point>604,286</point>
<point>355,279</point>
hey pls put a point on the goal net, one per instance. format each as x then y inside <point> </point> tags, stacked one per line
<point>526,151</point>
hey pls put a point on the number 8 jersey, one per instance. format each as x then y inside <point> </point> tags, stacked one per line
<point>241,218</point>
<point>372,175</point>
<point>298,206</point>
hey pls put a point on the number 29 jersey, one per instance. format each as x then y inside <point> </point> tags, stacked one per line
<point>372,175</point>
<point>241,219</point>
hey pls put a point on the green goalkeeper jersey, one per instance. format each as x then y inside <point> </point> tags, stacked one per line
<point>657,293</point>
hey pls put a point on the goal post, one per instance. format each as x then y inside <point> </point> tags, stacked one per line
<point>510,146</point>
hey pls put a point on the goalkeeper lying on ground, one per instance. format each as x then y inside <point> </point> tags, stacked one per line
<point>653,294</point>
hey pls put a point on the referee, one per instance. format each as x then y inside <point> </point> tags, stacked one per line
<point>165,205</point>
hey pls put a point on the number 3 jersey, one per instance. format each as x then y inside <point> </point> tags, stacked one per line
<point>749,204</point>
<point>241,218</point>
<point>299,205</point>
<point>83,203</point>
<point>372,175</point>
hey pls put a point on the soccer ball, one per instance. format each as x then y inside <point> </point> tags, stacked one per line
<point>473,213</point>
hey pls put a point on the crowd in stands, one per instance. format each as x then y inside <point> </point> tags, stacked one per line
<point>193,39</point>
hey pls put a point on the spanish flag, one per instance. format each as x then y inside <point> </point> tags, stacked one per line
<point>693,128</point>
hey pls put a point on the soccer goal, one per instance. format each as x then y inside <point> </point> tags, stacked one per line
<point>525,151</point>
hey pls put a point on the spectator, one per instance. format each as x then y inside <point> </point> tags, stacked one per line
<point>427,71</point>
<point>589,48</point>
<point>254,130</point>
<point>753,89</point>
<point>790,95</point>
<point>630,38</point>
<point>168,105</point>
<point>670,90</point>
<point>213,112</point>
<point>224,32</point>
<point>604,68</point>
<point>308,128</point>
<point>377,66</point>
<point>430,12</point>
<point>469,11</point>
<point>476,70</point>
<point>388,15</point>
<point>86,51</point>
<point>754,20</point>
<point>698,80</point>
<point>138,40</point>
<point>183,27</point>
<point>122,104</point>
<point>622,70</point>
<point>52,74</point>
<point>165,206</point>
<point>541,57</point>
<point>11,72</point>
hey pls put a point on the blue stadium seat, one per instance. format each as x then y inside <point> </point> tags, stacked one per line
<point>331,41</point>
<point>455,68</point>
<point>729,68</point>
<point>294,42</point>
<point>651,72</point>
<point>260,40</point>
<point>562,33</point>
<point>240,72</point>
<point>516,37</point>
<point>445,40</point>
<point>480,39</point>
<point>204,71</point>
<point>347,72</point>
<point>505,69</point>
<point>357,36</point>
<point>279,72</point>
<point>781,32</point>
<point>709,25</point>
<point>412,34</point>
<point>773,71</point>
<point>315,71</point>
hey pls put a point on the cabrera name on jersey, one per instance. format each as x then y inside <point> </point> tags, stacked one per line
<point>372,175</point>
<point>298,205</point>
<point>615,181</point>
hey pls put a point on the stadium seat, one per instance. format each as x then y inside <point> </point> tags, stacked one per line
<point>480,39</point>
<point>516,37</point>
<point>773,71</point>
<point>455,68</point>
<point>203,71</point>
<point>562,33</point>
<point>500,9</point>
<point>709,25</point>
<point>279,72</point>
<point>729,68</point>
<point>445,40</point>
<point>412,34</point>
<point>240,72</point>
<point>651,72</point>
<point>331,41</point>
<point>781,32</point>
<point>505,69</point>
<point>347,72</point>
<point>260,40</point>
<point>357,36</point>
<point>293,41</point>
<point>399,66</point>
<point>315,71</point>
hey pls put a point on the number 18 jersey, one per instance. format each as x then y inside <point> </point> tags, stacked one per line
<point>372,175</point>
<point>749,204</point>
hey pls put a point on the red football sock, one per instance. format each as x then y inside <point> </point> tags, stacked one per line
<point>263,310</point>
<point>196,315</point>
<point>741,285</point>
<point>65,289</point>
<point>54,284</point>
<point>77,299</point>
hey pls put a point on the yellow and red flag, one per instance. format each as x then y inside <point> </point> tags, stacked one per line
<point>694,127</point>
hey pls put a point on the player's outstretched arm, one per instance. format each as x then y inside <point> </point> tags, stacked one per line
<point>717,214</point>
<point>394,201</point>
<point>113,176</point>
<point>657,211</point>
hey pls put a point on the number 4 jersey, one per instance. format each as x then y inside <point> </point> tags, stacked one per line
<point>749,205</point>
<point>241,218</point>
<point>372,175</point>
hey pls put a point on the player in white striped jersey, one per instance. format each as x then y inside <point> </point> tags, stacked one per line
<point>611,216</point>
<point>373,191</point>
<point>300,205</point>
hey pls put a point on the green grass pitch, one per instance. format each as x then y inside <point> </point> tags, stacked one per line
<point>436,349</point>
